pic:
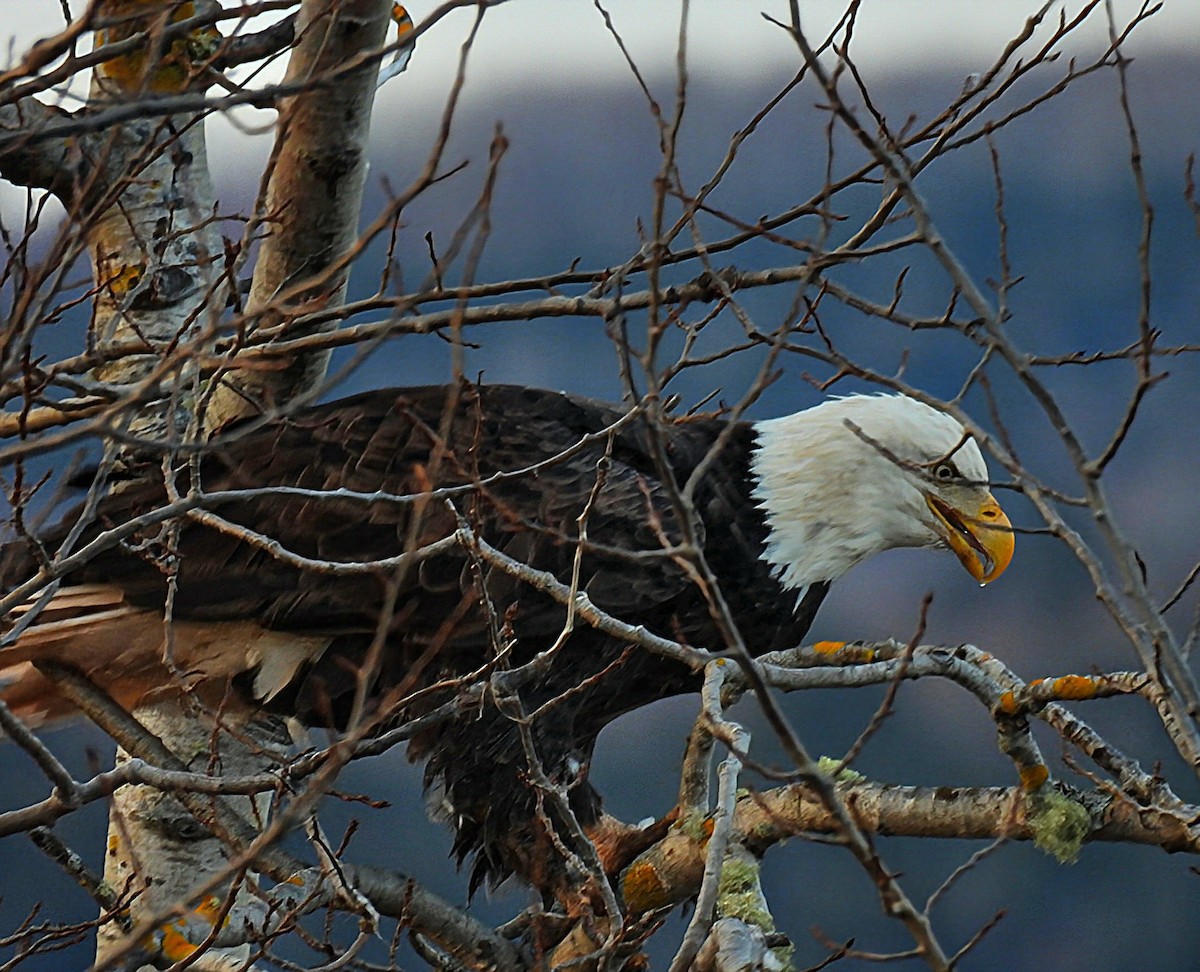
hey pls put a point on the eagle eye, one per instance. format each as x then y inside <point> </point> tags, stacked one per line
<point>946,472</point>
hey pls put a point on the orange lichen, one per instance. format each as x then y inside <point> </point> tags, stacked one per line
<point>402,19</point>
<point>1034,776</point>
<point>643,889</point>
<point>178,939</point>
<point>154,65</point>
<point>1074,687</point>
<point>828,647</point>
<point>125,279</point>
<point>1007,703</point>
<point>174,944</point>
<point>210,909</point>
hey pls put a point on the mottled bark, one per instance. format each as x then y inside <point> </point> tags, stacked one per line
<point>27,160</point>
<point>315,190</point>
<point>154,244</point>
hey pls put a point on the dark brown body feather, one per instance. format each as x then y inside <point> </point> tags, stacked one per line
<point>405,443</point>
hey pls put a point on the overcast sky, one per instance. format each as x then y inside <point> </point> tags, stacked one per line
<point>532,41</point>
<point>564,43</point>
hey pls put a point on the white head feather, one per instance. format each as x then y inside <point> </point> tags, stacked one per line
<point>847,479</point>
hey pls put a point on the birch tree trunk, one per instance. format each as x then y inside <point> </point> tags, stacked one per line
<point>319,169</point>
<point>156,254</point>
<point>153,248</point>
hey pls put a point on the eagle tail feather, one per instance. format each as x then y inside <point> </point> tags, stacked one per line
<point>125,650</point>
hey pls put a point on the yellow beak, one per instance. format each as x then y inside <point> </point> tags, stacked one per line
<point>981,538</point>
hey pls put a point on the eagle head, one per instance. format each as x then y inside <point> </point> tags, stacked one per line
<point>858,475</point>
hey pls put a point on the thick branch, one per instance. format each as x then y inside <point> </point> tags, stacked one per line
<point>37,163</point>
<point>671,871</point>
<point>320,167</point>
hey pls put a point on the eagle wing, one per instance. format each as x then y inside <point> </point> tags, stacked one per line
<point>304,518</point>
<point>320,532</point>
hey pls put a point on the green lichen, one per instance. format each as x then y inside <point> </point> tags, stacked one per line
<point>1059,825</point>
<point>763,833</point>
<point>783,955</point>
<point>201,45</point>
<point>841,774</point>
<point>739,895</point>
<point>694,825</point>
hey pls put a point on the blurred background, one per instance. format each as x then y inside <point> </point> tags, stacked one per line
<point>575,184</point>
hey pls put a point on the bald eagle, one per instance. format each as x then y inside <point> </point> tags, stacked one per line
<point>314,548</point>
